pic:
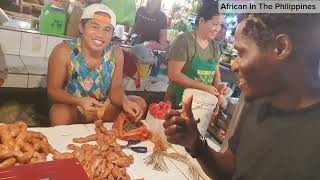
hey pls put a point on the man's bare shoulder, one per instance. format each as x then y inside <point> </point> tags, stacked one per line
<point>61,52</point>
<point>61,48</point>
<point>118,54</point>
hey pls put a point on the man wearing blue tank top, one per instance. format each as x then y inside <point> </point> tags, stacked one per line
<point>85,73</point>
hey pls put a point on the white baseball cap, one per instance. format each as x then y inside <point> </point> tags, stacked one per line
<point>90,11</point>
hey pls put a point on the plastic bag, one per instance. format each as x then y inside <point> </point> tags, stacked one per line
<point>155,119</point>
<point>125,10</point>
<point>144,55</point>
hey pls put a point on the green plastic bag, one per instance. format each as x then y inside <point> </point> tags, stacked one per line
<point>125,10</point>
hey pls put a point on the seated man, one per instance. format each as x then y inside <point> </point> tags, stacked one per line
<point>85,73</point>
<point>3,68</point>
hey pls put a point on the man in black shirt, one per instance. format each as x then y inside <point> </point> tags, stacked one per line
<point>277,135</point>
<point>151,23</point>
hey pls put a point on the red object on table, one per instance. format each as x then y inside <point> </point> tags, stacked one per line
<point>51,170</point>
<point>159,110</point>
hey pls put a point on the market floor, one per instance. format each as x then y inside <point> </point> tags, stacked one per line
<point>28,105</point>
<point>32,105</point>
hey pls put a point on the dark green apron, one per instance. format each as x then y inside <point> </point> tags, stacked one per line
<point>200,70</point>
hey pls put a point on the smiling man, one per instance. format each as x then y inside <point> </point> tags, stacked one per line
<point>277,134</point>
<point>85,73</point>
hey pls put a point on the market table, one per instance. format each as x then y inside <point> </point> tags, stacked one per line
<point>60,136</point>
<point>183,168</point>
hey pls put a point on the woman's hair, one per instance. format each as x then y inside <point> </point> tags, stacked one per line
<point>207,9</point>
<point>302,29</point>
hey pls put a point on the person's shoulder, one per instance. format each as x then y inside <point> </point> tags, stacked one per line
<point>216,46</point>
<point>60,53</point>
<point>185,36</point>
<point>62,47</point>
<point>118,54</point>
<point>117,50</point>
<point>182,39</point>
<point>215,42</point>
<point>254,106</point>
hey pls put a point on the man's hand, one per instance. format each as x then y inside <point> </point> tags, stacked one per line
<point>211,89</point>
<point>222,88</point>
<point>88,107</point>
<point>181,128</point>
<point>133,109</point>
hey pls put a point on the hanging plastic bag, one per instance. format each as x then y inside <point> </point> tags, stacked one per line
<point>125,10</point>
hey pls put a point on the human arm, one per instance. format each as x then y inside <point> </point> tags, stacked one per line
<point>57,75</point>
<point>217,165</point>
<point>222,88</point>
<point>163,40</point>
<point>117,95</point>
<point>217,77</point>
<point>133,29</point>
<point>181,129</point>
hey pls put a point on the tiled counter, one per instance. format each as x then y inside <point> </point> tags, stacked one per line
<point>27,53</point>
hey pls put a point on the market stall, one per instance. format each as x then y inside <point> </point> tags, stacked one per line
<point>27,44</point>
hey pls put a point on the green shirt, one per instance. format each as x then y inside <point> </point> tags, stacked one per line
<point>183,49</point>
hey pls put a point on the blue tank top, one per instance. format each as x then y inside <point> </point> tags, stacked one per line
<point>83,81</point>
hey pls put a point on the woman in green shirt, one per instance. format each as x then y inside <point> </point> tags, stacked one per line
<point>193,58</point>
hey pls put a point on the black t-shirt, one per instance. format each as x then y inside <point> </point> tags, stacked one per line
<point>273,144</point>
<point>149,25</point>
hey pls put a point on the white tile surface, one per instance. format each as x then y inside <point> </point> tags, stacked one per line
<point>33,45</point>
<point>10,41</point>
<point>60,136</point>
<point>52,42</point>
<point>16,80</point>
<point>15,65</point>
<point>37,81</point>
<point>35,65</point>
